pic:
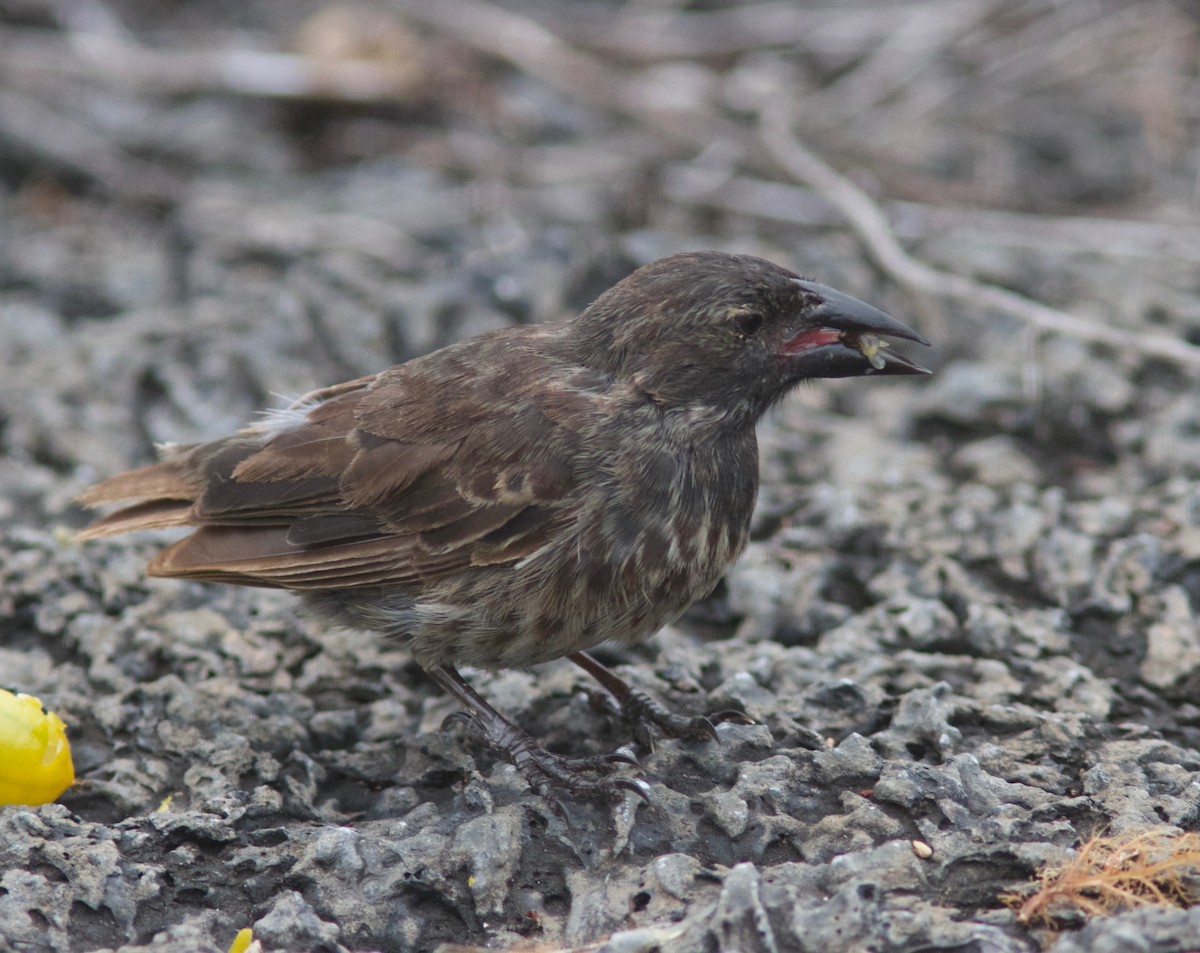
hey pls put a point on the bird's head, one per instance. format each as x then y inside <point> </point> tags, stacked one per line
<point>735,332</point>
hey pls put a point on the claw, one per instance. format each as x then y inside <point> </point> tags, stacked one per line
<point>732,715</point>
<point>622,757</point>
<point>637,786</point>
<point>557,805</point>
<point>600,764</point>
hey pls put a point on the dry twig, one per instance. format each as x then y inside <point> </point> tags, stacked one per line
<point>118,61</point>
<point>690,183</point>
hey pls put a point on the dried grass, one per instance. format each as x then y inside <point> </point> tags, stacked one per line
<point>1155,867</point>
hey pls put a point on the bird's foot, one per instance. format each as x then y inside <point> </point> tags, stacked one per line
<point>550,775</point>
<point>648,717</point>
<point>645,715</point>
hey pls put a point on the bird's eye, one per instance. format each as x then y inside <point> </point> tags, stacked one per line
<point>749,323</point>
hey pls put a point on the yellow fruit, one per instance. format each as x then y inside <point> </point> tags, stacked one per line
<point>242,941</point>
<point>35,757</point>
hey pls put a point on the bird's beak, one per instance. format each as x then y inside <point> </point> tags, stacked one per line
<point>842,338</point>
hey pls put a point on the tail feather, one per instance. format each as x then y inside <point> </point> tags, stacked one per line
<point>158,481</point>
<point>163,499</point>
<point>153,514</point>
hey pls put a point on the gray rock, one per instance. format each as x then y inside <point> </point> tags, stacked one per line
<point>1152,930</point>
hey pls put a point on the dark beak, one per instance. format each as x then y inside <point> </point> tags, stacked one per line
<point>843,340</point>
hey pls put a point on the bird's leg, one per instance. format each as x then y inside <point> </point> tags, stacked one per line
<point>546,772</point>
<point>642,712</point>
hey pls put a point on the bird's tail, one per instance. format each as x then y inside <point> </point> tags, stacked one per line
<point>160,496</point>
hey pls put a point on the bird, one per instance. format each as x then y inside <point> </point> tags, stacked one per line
<point>526,494</point>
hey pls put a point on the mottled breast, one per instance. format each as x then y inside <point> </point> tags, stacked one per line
<point>668,521</point>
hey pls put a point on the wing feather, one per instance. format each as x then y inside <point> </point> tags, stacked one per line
<point>401,479</point>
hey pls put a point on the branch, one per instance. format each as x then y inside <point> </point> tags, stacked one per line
<point>870,224</point>
<point>691,183</point>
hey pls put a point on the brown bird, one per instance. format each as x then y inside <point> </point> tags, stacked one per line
<point>525,494</point>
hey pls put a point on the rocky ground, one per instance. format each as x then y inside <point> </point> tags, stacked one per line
<point>966,625</point>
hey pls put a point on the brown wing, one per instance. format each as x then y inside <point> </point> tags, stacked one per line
<point>394,480</point>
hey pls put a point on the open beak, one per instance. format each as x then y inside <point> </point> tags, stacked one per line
<point>843,339</point>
